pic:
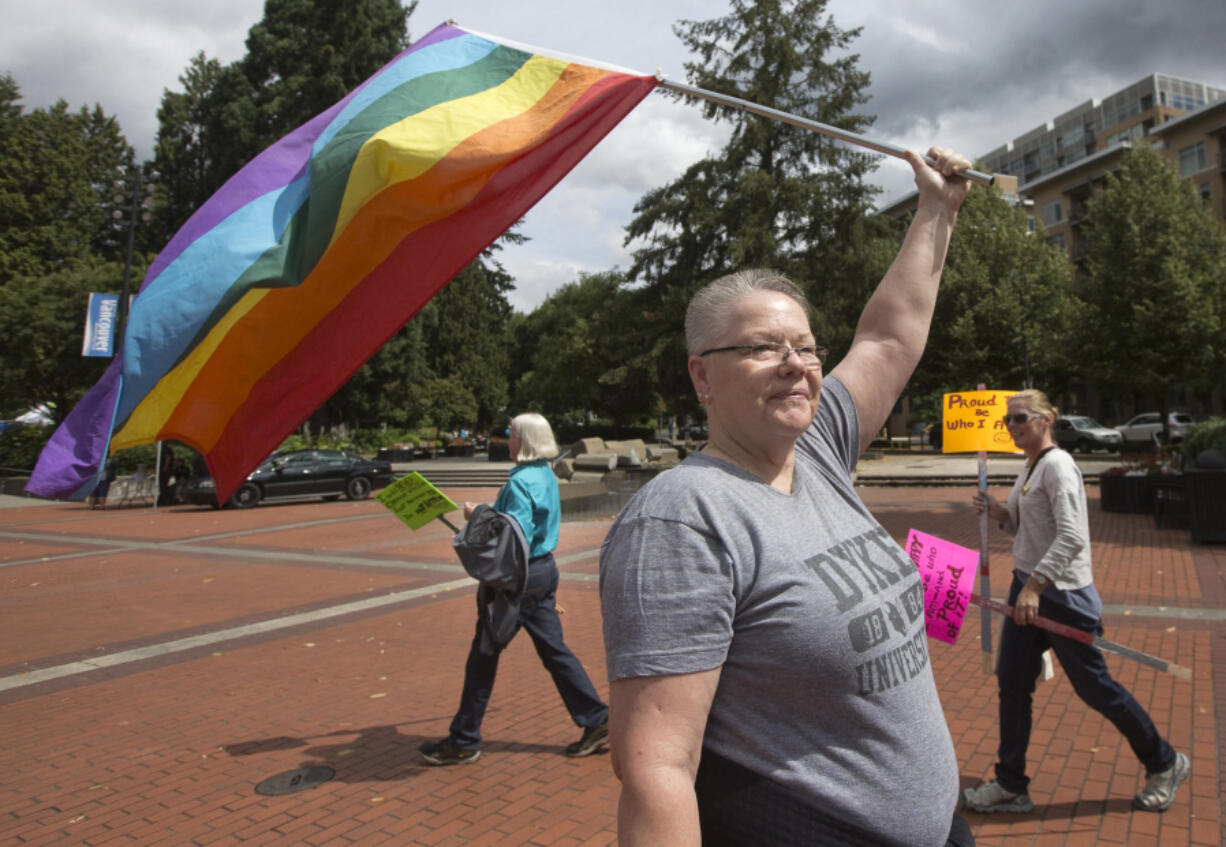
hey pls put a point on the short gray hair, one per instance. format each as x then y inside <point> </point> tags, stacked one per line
<point>536,439</point>
<point>708,311</point>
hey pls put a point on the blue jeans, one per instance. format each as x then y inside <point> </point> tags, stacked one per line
<point>1018,666</point>
<point>539,616</point>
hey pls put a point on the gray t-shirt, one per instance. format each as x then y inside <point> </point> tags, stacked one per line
<point>814,614</point>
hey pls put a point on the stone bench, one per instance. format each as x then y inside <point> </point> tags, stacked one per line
<point>668,455</point>
<point>595,462</point>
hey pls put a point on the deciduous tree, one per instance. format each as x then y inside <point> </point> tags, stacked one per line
<point>42,319</point>
<point>56,170</point>
<point>775,195</point>
<point>590,347</point>
<point>1154,283</point>
<point>1005,309</point>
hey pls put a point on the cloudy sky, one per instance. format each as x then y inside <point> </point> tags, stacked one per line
<point>943,71</point>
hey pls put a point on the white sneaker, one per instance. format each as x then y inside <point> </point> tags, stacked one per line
<point>990,797</point>
<point>1160,788</point>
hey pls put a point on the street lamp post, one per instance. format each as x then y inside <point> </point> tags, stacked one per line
<point>1023,295</point>
<point>138,196</point>
<point>139,205</point>
<point>1026,383</point>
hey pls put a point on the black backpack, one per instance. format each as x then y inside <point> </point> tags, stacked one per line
<point>493,550</point>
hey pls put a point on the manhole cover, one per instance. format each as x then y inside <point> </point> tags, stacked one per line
<point>299,779</point>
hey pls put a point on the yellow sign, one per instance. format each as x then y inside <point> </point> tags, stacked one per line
<point>415,501</point>
<point>974,420</point>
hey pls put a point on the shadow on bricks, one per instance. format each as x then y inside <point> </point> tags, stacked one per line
<point>377,753</point>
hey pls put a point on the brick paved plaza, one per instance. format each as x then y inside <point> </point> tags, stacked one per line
<point>156,666</point>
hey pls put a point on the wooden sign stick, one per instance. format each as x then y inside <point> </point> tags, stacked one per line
<point>1087,638</point>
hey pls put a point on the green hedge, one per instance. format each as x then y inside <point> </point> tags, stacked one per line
<point>366,442</point>
<point>20,446</point>
<point>1206,435</point>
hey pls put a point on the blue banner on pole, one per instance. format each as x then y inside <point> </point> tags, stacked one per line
<point>100,325</point>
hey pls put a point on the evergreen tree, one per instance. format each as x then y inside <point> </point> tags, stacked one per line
<point>1154,283</point>
<point>467,336</point>
<point>199,129</point>
<point>776,195</point>
<point>305,55</point>
<point>10,104</point>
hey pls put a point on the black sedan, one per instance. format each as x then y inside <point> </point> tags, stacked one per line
<point>300,473</point>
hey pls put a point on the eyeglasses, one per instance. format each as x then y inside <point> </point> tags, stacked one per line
<point>811,356</point>
<point>1018,419</point>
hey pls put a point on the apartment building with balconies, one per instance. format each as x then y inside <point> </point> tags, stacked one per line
<point>1056,169</point>
<point>1062,164</point>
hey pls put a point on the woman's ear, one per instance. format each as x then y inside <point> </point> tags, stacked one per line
<point>698,376</point>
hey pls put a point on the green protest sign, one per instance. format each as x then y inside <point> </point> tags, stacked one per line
<point>415,501</point>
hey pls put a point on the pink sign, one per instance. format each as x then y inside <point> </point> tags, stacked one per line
<point>948,571</point>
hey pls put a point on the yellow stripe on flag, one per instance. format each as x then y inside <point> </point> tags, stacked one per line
<point>147,419</point>
<point>407,149</point>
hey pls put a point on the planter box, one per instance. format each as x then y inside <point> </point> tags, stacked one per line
<point>1128,494</point>
<point>14,486</point>
<point>394,454</point>
<point>1170,501</point>
<point>1206,504</point>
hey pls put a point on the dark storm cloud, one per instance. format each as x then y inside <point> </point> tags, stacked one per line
<point>968,75</point>
<point>1011,68</point>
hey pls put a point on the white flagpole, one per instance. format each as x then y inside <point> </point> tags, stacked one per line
<point>157,478</point>
<point>985,624</point>
<point>804,123</point>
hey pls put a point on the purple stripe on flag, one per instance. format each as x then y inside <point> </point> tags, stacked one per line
<point>277,166</point>
<point>440,33</point>
<point>69,464</point>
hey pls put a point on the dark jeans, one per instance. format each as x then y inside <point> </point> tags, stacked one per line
<point>739,808</point>
<point>1018,666</point>
<point>538,615</point>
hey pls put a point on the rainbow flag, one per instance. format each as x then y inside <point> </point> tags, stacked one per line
<point>321,248</point>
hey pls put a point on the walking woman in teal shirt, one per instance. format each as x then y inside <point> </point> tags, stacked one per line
<point>531,498</point>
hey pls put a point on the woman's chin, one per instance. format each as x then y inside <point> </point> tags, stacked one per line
<point>794,421</point>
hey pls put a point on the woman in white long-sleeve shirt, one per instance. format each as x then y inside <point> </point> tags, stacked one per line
<point>1052,577</point>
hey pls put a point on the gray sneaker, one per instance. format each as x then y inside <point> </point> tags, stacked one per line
<point>443,752</point>
<point>990,797</point>
<point>592,740</point>
<point>1160,788</point>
